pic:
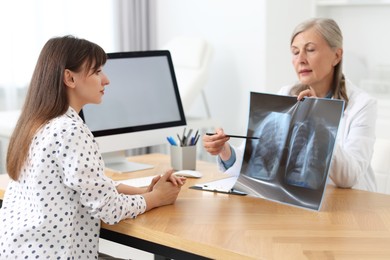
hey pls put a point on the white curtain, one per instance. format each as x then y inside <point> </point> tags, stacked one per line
<point>135,33</point>
<point>133,19</point>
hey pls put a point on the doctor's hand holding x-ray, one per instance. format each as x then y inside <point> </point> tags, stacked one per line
<point>317,53</point>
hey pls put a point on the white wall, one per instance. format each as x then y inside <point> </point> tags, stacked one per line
<point>251,43</point>
<point>366,42</point>
<point>251,47</point>
<point>282,17</point>
<point>236,30</point>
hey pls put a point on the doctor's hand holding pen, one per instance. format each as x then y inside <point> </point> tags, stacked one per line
<point>217,144</point>
<point>186,139</point>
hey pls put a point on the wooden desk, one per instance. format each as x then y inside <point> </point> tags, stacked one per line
<point>352,224</point>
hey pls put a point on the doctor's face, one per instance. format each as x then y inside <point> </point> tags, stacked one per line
<point>313,59</point>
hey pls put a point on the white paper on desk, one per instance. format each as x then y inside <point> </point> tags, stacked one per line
<point>137,182</point>
<point>222,185</point>
<point>290,161</point>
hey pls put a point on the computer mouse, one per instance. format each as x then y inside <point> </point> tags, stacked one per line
<point>189,173</point>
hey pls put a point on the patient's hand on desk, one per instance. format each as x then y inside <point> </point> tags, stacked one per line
<point>175,180</point>
<point>131,190</point>
<point>163,190</point>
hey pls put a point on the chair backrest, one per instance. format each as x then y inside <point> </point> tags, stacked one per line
<point>381,164</point>
<point>191,58</point>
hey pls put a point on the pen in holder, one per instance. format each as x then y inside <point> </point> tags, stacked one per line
<point>183,157</point>
<point>183,154</point>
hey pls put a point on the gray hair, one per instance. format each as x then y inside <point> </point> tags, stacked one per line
<point>331,33</point>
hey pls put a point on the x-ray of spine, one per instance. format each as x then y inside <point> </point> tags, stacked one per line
<point>267,151</point>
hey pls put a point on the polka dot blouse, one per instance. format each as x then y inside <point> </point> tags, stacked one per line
<point>54,210</point>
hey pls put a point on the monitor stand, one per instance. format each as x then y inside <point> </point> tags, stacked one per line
<point>117,161</point>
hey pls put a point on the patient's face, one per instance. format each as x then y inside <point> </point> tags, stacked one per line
<point>89,87</point>
<point>313,59</point>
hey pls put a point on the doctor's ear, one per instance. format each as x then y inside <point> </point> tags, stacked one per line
<point>69,79</point>
<point>339,55</point>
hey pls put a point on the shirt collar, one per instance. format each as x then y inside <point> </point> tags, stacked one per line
<point>71,113</point>
<point>329,95</point>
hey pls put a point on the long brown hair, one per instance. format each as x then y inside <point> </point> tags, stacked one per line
<point>331,32</point>
<point>47,97</point>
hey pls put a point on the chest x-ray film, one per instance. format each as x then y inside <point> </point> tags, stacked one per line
<point>290,161</point>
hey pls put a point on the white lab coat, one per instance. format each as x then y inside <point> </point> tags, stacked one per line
<point>351,161</point>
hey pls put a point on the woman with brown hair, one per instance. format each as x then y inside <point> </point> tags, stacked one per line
<point>59,193</point>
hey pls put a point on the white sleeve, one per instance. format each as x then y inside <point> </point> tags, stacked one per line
<point>235,169</point>
<point>352,154</point>
<point>285,91</point>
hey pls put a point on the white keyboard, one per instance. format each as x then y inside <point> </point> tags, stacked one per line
<point>138,182</point>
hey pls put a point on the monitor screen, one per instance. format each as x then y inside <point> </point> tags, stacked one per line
<point>141,105</point>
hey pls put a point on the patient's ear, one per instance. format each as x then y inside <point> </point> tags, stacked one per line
<point>69,79</point>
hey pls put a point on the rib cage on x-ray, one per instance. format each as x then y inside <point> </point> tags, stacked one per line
<point>309,147</point>
<point>290,162</point>
<point>268,150</point>
<point>310,142</point>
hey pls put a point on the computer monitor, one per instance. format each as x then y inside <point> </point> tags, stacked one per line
<point>140,108</point>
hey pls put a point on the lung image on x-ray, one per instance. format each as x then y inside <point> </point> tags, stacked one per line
<point>310,149</point>
<point>266,152</point>
<point>290,161</point>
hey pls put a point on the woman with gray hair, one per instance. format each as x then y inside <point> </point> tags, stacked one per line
<point>317,53</point>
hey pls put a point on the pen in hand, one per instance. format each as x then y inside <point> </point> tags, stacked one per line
<point>237,136</point>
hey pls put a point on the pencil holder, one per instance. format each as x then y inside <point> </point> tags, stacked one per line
<point>183,157</point>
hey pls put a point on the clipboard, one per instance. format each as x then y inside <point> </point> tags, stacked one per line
<point>225,185</point>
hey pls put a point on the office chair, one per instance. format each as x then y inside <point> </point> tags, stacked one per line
<point>381,165</point>
<point>191,58</point>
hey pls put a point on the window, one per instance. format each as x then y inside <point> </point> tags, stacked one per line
<point>26,25</point>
